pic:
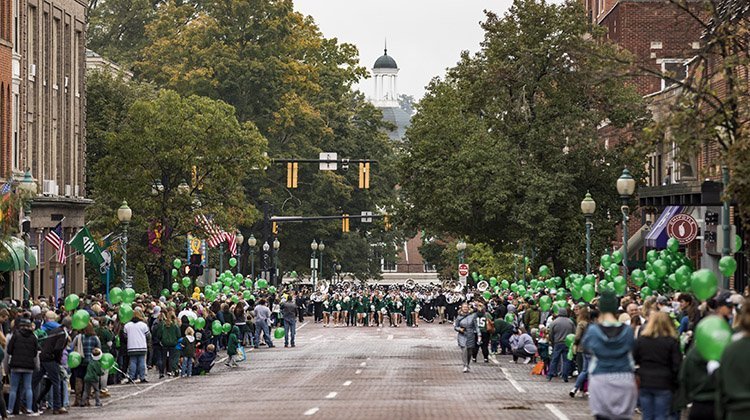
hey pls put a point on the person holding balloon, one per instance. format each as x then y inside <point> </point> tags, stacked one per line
<point>83,344</point>
<point>733,397</point>
<point>92,380</point>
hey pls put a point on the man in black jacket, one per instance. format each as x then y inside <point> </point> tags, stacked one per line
<point>50,359</point>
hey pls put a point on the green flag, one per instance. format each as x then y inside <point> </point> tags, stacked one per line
<point>86,245</point>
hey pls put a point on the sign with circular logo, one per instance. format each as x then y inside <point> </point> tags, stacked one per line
<point>683,228</point>
<point>463,270</point>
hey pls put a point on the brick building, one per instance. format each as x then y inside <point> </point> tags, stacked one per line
<point>48,133</point>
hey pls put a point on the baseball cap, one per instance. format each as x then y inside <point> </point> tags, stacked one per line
<point>724,298</point>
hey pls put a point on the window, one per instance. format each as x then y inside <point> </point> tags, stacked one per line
<point>672,69</point>
<point>429,268</point>
<point>387,266</point>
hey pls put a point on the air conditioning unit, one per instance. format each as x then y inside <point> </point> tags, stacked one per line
<point>77,191</point>
<point>49,187</point>
<point>32,70</point>
<point>68,190</point>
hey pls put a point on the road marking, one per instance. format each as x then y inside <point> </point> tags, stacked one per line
<point>494,360</point>
<point>347,383</point>
<point>303,324</point>
<point>363,364</point>
<point>513,381</point>
<point>331,395</point>
<point>556,411</point>
<point>358,371</point>
<point>317,337</point>
<point>312,411</point>
<point>390,337</point>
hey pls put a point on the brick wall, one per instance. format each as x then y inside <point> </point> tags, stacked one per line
<point>6,78</point>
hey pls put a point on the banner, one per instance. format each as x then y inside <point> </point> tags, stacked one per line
<point>84,243</point>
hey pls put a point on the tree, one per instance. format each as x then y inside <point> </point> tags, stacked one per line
<point>406,102</point>
<point>117,27</point>
<point>170,158</point>
<point>503,149</point>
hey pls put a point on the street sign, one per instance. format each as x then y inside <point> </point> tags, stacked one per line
<point>463,270</point>
<point>683,228</point>
<point>328,166</point>
<point>366,219</point>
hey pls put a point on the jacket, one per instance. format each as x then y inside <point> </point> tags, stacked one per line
<point>22,350</point>
<point>206,360</point>
<point>188,346</point>
<point>168,335</point>
<point>138,335</point>
<point>734,380</point>
<point>523,341</point>
<point>695,382</point>
<point>532,318</point>
<point>467,338</point>
<point>93,372</point>
<point>610,347</point>
<point>580,330</point>
<point>658,360</point>
<point>232,343</point>
<point>53,345</point>
<point>560,328</point>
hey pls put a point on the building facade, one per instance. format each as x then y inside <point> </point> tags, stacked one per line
<point>48,133</point>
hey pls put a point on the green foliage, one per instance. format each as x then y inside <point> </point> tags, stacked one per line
<point>504,148</point>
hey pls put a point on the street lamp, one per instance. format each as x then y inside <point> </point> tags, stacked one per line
<point>266,268</point>
<point>314,263</point>
<point>461,247</point>
<point>251,242</point>
<point>626,189</point>
<point>240,240</point>
<point>28,187</point>
<point>588,206</point>
<point>124,214</point>
<point>321,248</point>
<point>338,271</point>
<point>276,246</point>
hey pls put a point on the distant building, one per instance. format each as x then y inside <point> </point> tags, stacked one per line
<point>95,62</point>
<point>409,263</point>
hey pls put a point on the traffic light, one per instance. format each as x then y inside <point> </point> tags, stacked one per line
<point>386,223</point>
<point>345,223</point>
<point>195,268</point>
<point>292,169</point>
<point>275,228</point>
<point>364,175</point>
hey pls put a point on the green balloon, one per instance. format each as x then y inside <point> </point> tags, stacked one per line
<point>216,328</point>
<point>673,245</point>
<point>487,295</point>
<point>175,273</point>
<point>278,333</point>
<point>620,285</point>
<point>165,292</point>
<point>588,292</point>
<point>262,284</point>
<point>727,266</point>
<point>638,277</point>
<point>672,281</point>
<point>271,289</point>
<point>177,263</point>
<point>569,340</point>
<point>544,271</point>
<point>652,256</point>
<point>545,303</point>
<point>71,302</point>
<point>712,335</point>
<point>475,276</point>
<point>509,318</point>
<point>186,281</point>
<point>505,285</point>
<point>682,274</point>
<point>248,283</point>
<point>737,243</point>
<point>590,279</point>
<point>107,361</point>
<point>81,319</point>
<point>617,257</point>
<point>128,295</point>
<point>235,299</point>
<point>654,282</point>
<point>175,286</point>
<point>126,313</point>
<point>233,262</point>
<point>605,260</point>
<point>646,292</point>
<point>226,290</point>
<point>575,292</point>
<point>660,268</point>
<point>226,327</point>
<point>115,295</point>
<point>74,359</point>
<point>704,284</point>
<point>493,281</point>
<point>246,295</point>
<point>200,323</point>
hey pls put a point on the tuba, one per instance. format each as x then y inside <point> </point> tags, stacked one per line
<point>323,287</point>
<point>346,285</point>
<point>483,286</point>
<point>410,284</point>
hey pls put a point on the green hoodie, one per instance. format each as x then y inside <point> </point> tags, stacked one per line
<point>232,344</point>
<point>734,381</point>
<point>94,371</point>
<point>168,336</point>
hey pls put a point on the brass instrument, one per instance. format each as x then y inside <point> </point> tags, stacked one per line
<point>483,286</point>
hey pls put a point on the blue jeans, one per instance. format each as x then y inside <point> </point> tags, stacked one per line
<point>15,382</point>
<point>505,343</point>
<point>290,331</point>
<point>656,404</point>
<point>137,368</point>
<point>583,372</point>
<point>559,352</point>
<point>262,326</point>
<point>187,366</point>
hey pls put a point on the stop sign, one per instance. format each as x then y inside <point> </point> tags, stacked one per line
<point>683,228</point>
<point>463,270</point>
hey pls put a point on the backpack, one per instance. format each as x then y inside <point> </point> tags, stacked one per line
<point>490,326</point>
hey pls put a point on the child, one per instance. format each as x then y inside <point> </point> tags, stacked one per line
<point>205,361</point>
<point>188,353</point>
<point>544,348</point>
<point>232,346</point>
<point>93,378</point>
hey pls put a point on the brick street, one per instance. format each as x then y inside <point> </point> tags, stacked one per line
<point>345,373</point>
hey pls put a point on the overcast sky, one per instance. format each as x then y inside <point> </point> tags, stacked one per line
<point>424,36</point>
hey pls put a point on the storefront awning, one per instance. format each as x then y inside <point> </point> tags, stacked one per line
<point>635,242</point>
<point>12,255</point>
<point>657,237</point>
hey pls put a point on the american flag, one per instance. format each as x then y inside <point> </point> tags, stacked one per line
<point>5,190</point>
<point>232,241</point>
<point>216,235</point>
<point>54,237</point>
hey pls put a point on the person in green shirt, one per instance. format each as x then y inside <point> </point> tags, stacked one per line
<point>92,379</point>
<point>483,318</point>
<point>733,396</point>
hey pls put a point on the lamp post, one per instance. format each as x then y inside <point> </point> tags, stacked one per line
<point>321,248</point>
<point>626,189</point>
<point>28,187</point>
<point>588,206</point>
<point>124,214</point>
<point>266,266</point>
<point>240,240</point>
<point>338,272</point>
<point>276,246</point>
<point>251,242</point>
<point>461,247</point>
<point>314,263</point>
